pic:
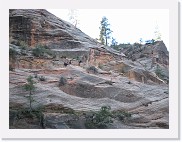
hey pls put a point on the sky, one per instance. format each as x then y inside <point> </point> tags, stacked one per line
<point>128,25</point>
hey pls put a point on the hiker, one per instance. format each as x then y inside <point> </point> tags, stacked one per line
<point>70,62</point>
<point>65,64</point>
<point>79,62</point>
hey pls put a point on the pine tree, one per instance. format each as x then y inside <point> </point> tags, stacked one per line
<point>141,40</point>
<point>113,42</point>
<point>105,31</point>
<point>101,36</point>
<point>30,87</point>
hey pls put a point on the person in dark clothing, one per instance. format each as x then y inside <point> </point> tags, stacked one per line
<point>65,64</point>
<point>70,62</point>
<point>79,62</point>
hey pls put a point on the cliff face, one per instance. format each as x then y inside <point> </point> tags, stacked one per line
<point>75,76</point>
<point>156,51</point>
<point>41,27</point>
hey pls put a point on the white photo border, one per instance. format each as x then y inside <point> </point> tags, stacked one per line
<point>171,133</point>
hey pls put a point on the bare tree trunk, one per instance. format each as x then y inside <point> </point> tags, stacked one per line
<point>106,37</point>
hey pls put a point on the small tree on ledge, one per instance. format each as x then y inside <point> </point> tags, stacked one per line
<point>29,86</point>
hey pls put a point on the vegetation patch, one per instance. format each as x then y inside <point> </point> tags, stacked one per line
<point>159,72</point>
<point>42,51</point>
<point>121,115</point>
<point>62,81</point>
<point>92,69</point>
<point>104,117</point>
<point>26,113</point>
<point>23,45</point>
<point>29,86</point>
<point>31,115</point>
<point>12,53</point>
<point>100,119</point>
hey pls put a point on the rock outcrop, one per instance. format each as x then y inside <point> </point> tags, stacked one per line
<point>75,76</point>
<point>41,27</point>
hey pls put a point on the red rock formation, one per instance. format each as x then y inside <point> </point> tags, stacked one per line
<point>38,26</point>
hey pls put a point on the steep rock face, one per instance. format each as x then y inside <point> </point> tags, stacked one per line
<point>157,51</point>
<point>120,82</point>
<point>41,27</point>
<point>143,63</point>
<point>98,56</point>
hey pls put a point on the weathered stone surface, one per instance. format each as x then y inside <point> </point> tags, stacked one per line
<point>57,121</point>
<point>135,98</point>
<point>124,83</point>
<point>39,26</point>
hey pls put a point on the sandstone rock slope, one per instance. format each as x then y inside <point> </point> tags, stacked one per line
<point>76,78</point>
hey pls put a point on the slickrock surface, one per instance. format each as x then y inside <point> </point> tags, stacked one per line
<point>96,76</point>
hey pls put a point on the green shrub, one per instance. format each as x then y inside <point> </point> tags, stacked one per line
<point>12,53</point>
<point>100,119</point>
<point>121,115</point>
<point>26,113</point>
<point>92,69</point>
<point>38,51</point>
<point>159,72</point>
<point>42,50</point>
<point>23,45</point>
<point>62,81</point>
<point>103,118</point>
<point>78,58</point>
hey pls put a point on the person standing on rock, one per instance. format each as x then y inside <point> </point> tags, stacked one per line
<point>70,62</point>
<point>65,64</point>
<point>79,62</point>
